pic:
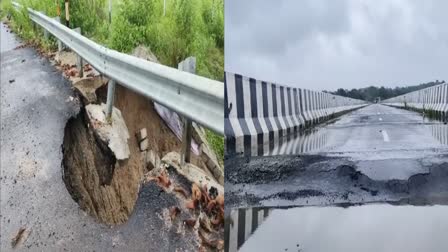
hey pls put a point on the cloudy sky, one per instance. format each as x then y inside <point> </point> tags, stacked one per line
<point>327,44</point>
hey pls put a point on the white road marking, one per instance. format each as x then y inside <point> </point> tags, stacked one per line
<point>385,136</point>
<point>380,119</point>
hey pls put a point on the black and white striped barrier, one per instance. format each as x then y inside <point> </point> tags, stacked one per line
<point>433,100</point>
<point>258,114</point>
<point>241,224</point>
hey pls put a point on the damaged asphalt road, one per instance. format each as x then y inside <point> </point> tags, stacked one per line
<point>35,108</point>
<point>318,180</point>
<point>374,154</point>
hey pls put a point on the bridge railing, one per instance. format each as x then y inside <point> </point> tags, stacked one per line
<point>433,100</point>
<point>197,98</point>
<point>258,114</point>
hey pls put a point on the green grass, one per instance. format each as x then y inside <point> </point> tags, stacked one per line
<point>217,143</point>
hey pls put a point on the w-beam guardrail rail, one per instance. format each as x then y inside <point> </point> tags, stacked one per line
<point>194,97</point>
<point>259,113</point>
<point>432,100</point>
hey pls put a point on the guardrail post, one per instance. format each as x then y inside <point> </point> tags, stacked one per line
<point>79,62</point>
<point>110,11</point>
<point>110,99</point>
<point>67,14</point>
<point>188,65</point>
<point>46,34</point>
<point>59,42</point>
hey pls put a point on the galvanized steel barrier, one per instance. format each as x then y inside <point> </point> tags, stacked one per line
<point>258,114</point>
<point>432,101</point>
<point>197,98</point>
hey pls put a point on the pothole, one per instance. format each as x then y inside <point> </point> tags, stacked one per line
<point>101,185</point>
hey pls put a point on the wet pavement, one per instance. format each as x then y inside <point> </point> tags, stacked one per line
<point>371,227</point>
<point>355,158</point>
<point>35,106</point>
<point>8,41</point>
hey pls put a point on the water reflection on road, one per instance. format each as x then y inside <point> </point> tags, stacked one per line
<point>376,128</point>
<point>374,227</point>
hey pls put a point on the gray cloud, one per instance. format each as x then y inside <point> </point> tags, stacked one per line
<point>327,44</point>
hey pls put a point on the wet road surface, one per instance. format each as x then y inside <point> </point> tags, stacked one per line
<point>376,146</point>
<point>372,227</point>
<point>8,41</point>
<point>35,106</point>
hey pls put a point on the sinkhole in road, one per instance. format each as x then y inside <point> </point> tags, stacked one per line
<point>102,186</point>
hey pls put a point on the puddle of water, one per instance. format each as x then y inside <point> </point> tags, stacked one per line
<point>440,132</point>
<point>375,227</point>
<point>310,142</point>
<point>355,140</point>
<point>385,169</point>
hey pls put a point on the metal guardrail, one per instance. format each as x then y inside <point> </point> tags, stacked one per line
<point>197,98</point>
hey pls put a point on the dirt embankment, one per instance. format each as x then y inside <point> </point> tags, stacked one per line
<point>103,186</point>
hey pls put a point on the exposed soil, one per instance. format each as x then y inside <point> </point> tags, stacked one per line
<point>103,186</point>
<point>138,112</point>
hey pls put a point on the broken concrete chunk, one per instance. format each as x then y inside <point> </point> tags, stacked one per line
<point>141,135</point>
<point>115,134</point>
<point>144,144</point>
<point>210,164</point>
<point>87,88</point>
<point>143,156</point>
<point>191,172</point>
<point>152,160</point>
<point>144,53</point>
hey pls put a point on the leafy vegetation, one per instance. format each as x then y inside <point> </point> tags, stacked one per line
<point>187,28</point>
<point>371,93</point>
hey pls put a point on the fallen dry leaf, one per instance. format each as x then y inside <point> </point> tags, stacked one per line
<point>19,237</point>
<point>192,204</point>
<point>190,222</point>
<point>204,223</point>
<point>210,206</point>
<point>181,190</point>
<point>216,244</point>
<point>174,211</point>
<point>195,192</point>
<point>164,180</point>
<point>87,67</point>
<point>220,200</point>
<point>218,218</point>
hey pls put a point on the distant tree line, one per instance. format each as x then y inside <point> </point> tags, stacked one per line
<point>372,92</point>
